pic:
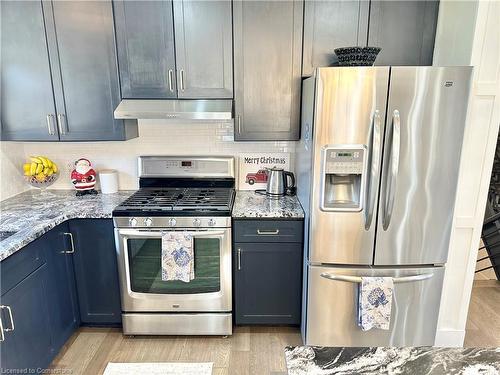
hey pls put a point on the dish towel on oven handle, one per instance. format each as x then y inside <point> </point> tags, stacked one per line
<point>177,257</point>
<point>375,302</point>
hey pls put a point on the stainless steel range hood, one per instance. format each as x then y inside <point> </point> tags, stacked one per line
<point>213,109</point>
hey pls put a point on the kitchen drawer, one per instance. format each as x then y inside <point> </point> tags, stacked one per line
<point>268,230</point>
<point>21,264</point>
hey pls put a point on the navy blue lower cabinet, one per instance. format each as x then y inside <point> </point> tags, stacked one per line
<point>61,288</point>
<point>267,283</point>
<point>96,271</point>
<point>28,345</point>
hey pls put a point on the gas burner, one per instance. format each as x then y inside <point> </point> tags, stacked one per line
<point>178,201</point>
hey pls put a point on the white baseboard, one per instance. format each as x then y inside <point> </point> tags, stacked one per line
<point>450,338</point>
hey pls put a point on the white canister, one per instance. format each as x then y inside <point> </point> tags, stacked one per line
<point>108,179</point>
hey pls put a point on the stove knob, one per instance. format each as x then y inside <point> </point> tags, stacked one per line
<point>132,221</point>
<point>212,222</point>
<point>172,222</point>
<point>196,222</point>
<point>148,221</point>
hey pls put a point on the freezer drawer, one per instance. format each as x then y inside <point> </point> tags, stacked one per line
<point>332,307</point>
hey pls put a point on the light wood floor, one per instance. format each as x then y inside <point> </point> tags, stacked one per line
<point>483,321</point>
<point>250,350</point>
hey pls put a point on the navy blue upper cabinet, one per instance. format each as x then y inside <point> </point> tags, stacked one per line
<point>405,30</point>
<point>145,41</point>
<point>96,271</point>
<point>197,64</point>
<point>59,60</point>
<point>329,25</point>
<point>267,69</point>
<point>204,49</point>
<point>86,84</point>
<point>27,107</point>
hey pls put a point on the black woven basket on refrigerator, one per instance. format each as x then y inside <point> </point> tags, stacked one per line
<point>357,56</point>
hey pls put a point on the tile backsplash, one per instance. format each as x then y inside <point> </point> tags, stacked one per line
<point>156,137</point>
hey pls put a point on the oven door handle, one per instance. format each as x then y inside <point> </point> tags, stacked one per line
<point>148,233</point>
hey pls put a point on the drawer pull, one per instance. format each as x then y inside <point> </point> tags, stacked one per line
<point>72,244</point>
<point>239,259</point>
<point>268,232</point>
<point>10,318</point>
<point>2,335</point>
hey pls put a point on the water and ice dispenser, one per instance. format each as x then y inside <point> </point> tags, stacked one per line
<point>343,177</point>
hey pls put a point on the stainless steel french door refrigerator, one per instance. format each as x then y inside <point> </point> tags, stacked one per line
<point>377,167</point>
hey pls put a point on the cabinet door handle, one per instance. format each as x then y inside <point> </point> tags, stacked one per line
<point>50,124</point>
<point>181,73</point>
<point>239,124</point>
<point>2,336</point>
<point>61,123</point>
<point>10,318</point>
<point>72,244</point>
<point>239,258</point>
<point>170,80</point>
<point>268,232</point>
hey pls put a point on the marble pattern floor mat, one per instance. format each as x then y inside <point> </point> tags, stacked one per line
<point>316,360</point>
<point>160,368</point>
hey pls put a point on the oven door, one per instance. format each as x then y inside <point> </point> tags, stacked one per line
<point>143,290</point>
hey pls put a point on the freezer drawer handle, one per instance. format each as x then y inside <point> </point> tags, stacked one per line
<point>397,280</point>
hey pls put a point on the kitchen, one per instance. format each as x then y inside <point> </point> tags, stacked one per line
<point>178,98</point>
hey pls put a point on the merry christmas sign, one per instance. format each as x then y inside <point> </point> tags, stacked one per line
<point>252,168</point>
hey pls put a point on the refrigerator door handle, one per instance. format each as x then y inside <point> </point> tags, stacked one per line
<point>396,280</point>
<point>390,191</point>
<point>375,151</point>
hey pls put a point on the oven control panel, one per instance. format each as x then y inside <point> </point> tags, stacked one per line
<point>179,166</point>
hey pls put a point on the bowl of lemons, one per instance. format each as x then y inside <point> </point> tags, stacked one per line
<point>40,172</point>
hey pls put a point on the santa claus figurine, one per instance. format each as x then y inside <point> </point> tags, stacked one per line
<point>83,177</point>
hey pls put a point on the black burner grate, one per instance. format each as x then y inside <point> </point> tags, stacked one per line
<point>180,199</point>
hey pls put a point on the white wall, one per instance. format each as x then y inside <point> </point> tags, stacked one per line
<point>156,137</point>
<point>458,21</point>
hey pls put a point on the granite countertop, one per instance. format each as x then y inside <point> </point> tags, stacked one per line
<point>249,204</point>
<point>26,216</point>
<point>302,360</point>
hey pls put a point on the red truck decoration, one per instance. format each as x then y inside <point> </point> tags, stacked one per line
<point>259,177</point>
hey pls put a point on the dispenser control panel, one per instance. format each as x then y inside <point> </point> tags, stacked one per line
<point>344,161</point>
<point>343,178</point>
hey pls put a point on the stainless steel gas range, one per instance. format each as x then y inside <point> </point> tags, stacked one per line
<point>189,194</point>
